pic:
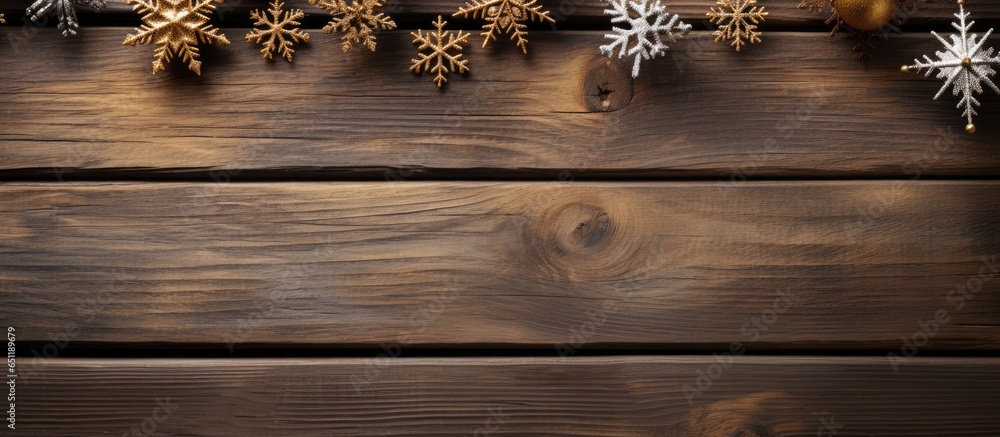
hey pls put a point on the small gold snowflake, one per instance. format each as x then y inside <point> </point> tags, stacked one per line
<point>440,43</point>
<point>742,22</point>
<point>505,16</point>
<point>358,21</point>
<point>176,26</point>
<point>280,30</point>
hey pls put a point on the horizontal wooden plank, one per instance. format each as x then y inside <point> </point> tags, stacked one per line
<point>613,396</point>
<point>564,11</point>
<point>799,106</point>
<point>675,265</point>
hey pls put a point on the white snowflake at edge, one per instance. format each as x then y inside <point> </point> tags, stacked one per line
<point>964,78</point>
<point>648,42</point>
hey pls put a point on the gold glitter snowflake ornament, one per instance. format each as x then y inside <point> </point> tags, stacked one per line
<point>176,26</point>
<point>359,21</point>
<point>505,16</point>
<point>741,18</point>
<point>439,43</point>
<point>281,30</point>
<point>964,65</point>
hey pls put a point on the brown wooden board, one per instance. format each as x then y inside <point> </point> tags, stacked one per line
<point>774,265</point>
<point>592,396</point>
<point>565,12</point>
<point>800,105</point>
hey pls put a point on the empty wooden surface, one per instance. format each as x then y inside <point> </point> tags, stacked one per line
<point>591,396</point>
<point>848,264</point>
<point>800,105</point>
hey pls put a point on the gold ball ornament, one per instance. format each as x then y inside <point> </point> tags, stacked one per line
<point>866,14</point>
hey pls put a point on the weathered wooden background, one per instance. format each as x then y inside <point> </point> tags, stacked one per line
<point>777,242</point>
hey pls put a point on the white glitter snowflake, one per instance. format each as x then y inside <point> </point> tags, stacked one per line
<point>964,66</point>
<point>648,43</point>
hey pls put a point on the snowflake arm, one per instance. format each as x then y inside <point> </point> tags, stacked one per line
<point>648,43</point>
<point>280,32</point>
<point>440,43</point>
<point>176,26</point>
<point>145,33</point>
<point>505,16</point>
<point>815,5</point>
<point>65,11</point>
<point>358,21</point>
<point>963,66</point>
<point>740,22</point>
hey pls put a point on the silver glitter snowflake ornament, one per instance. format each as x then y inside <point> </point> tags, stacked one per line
<point>648,22</point>
<point>65,11</point>
<point>964,65</point>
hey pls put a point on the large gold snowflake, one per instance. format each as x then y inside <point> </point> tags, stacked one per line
<point>439,43</point>
<point>743,17</point>
<point>176,26</point>
<point>359,21</point>
<point>505,16</point>
<point>280,30</point>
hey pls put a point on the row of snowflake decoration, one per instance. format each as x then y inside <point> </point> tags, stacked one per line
<point>359,20</point>
<point>180,25</point>
<point>177,26</point>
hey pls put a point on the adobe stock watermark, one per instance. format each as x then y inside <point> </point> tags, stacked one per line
<point>869,215</point>
<point>750,332</point>
<point>957,297</point>
<point>89,310</point>
<point>454,118</point>
<point>29,30</point>
<point>11,416</point>
<point>785,128</point>
<point>493,422</point>
<point>290,278</point>
<point>206,196</point>
<point>246,325</point>
<point>75,153</point>
<point>688,50</point>
<point>585,331</point>
<point>148,426</point>
<point>418,322</point>
<point>828,426</point>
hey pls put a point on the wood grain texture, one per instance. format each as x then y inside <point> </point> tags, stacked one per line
<point>565,12</point>
<point>606,396</point>
<point>776,265</point>
<point>799,106</point>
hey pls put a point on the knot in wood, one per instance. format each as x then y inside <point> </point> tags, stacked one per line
<point>584,241</point>
<point>608,86</point>
<point>578,228</point>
